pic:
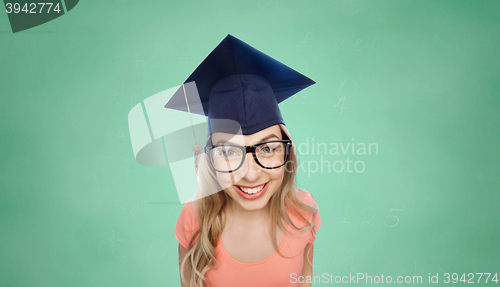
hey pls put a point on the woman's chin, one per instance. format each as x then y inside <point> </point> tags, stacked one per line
<point>253,205</point>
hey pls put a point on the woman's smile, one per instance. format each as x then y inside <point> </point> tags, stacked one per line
<point>252,192</point>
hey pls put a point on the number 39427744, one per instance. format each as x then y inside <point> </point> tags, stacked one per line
<point>33,8</point>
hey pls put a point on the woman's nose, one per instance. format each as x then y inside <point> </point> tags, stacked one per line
<point>253,169</point>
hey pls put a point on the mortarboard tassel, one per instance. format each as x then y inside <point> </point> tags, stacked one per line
<point>197,148</point>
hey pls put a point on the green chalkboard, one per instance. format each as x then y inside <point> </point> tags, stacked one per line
<point>398,140</point>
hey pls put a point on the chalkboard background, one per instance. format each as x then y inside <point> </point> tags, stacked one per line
<point>418,80</point>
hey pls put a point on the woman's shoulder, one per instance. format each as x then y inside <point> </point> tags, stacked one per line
<point>188,206</point>
<point>307,215</point>
<point>306,205</point>
<point>187,216</point>
<point>306,197</point>
<point>187,224</point>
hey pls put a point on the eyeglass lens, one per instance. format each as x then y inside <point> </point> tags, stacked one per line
<point>230,158</point>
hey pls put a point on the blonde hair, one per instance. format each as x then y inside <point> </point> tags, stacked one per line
<point>211,216</point>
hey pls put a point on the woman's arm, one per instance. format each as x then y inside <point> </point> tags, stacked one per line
<point>307,269</point>
<point>182,254</point>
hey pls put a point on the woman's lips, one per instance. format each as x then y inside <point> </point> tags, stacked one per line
<point>254,195</point>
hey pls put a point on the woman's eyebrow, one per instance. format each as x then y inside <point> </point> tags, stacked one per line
<point>262,140</point>
<point>269,137</point>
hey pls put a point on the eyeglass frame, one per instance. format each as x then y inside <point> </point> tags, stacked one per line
<point>250,149</point>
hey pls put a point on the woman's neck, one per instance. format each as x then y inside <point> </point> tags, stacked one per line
<point>249,216</point>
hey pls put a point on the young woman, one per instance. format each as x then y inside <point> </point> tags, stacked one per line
<point>251,225</point>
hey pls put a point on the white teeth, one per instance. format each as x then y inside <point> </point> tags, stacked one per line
<point>252,190</point>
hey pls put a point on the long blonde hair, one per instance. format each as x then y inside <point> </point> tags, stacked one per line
<point>211,217</point>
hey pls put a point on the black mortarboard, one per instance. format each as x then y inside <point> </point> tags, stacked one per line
<point>237,82</point>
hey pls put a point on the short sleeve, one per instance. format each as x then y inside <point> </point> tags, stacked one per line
<point>307,198</point>
<point>317,221</point>
<point>186,225</point>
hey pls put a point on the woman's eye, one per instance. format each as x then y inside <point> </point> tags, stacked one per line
<point>228,152</point>
<point>266,149</point>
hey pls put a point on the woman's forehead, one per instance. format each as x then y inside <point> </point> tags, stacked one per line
<point>268,134</point>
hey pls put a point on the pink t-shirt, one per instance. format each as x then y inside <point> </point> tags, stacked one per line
<point>273,271</point>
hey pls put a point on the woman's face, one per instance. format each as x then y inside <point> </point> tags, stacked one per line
<point>251,186</point>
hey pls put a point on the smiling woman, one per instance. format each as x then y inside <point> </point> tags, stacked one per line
<point>250,225</point>
<point>257,184</point>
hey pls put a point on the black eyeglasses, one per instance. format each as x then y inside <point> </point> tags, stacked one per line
<point>229,158</point>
